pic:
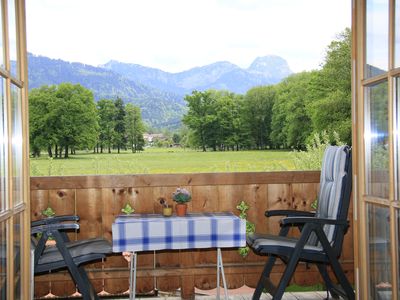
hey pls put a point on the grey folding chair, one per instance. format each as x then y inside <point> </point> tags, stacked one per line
<point>322,232</point>
<point>66,254</point>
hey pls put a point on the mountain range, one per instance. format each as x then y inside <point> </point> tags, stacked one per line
<point>159,94</point>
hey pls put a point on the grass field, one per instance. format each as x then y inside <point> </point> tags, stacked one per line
<point>163,161</point>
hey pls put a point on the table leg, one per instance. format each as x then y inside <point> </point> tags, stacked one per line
<point>218,287</point>
<point>220,268</point>
<point>132,277</point>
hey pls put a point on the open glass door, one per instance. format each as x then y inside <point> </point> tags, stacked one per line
<point>376,121</point>
<point>15,272</point>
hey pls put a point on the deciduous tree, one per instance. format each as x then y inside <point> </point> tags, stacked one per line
<point>257,113</point>
<point>106,115</point>
<point>119,129</point>
<point>201,118</point>
<point>134,127</point>
<point>63,117</point>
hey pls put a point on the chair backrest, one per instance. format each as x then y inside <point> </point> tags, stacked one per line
<point>334,192</point>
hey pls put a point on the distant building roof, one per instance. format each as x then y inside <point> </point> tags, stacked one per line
<point>150,137</point>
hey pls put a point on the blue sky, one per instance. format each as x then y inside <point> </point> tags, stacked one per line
<point>175,35</point>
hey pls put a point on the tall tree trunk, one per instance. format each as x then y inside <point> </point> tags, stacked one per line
<point>49,151</point>
<point>66,151</point>
<point>56,150</point>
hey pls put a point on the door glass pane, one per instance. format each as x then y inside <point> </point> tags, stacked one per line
<point>12,31</point>
<point>3,148</point>
<point>397,34</point>
<point>17,256</point>
<point>1,40</point>
<point>16,144</point>
<point>3,261</point>
<point>377,37</point>
<point>378,220</point>
<point>376,140</point>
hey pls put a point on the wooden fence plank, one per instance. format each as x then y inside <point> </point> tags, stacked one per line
<point>174,180</point>
<point>39,202</point>
<point>62,201</point>
<point>89,210</point>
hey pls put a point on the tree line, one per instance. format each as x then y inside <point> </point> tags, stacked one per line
<point>285,115</point>
<point>64,118</point>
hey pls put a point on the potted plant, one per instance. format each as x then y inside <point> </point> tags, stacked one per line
<point>181,196</point>
<point>167,210</point>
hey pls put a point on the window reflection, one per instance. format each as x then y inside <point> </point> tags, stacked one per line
<point>12,28</point>
<point>376,140</point>
<point>3,148</point>
<point>16,144</point>
<point>377,37</point>
<point>379,252</point>
<point>17,257</point>
<point>3,261</point>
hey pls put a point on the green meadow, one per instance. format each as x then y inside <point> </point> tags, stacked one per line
<point>163,161</point>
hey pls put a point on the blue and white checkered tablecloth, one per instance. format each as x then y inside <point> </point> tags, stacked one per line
<point>143,232</point>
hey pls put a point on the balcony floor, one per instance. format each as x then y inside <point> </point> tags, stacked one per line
<point>239,294</point>
<point>286,296</point>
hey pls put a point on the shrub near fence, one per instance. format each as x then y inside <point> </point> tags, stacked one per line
<point>99,199</point>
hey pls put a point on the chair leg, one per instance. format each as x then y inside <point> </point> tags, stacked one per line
<point>264,276</point>
<point>92,292</point>
<point>80,281</point>
<point>328,281</point>
<point>287,275</point>
<point>337,269</point>
<point>341,277</point>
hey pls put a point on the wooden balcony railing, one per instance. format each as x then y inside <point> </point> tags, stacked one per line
<point>99,199</point>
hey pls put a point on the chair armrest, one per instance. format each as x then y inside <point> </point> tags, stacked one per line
<point>56,219</point>
<point>313,220</point>
<point>285,212</point>
<point>52,227</point>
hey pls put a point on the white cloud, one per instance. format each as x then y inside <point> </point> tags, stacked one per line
<point>179,34</point>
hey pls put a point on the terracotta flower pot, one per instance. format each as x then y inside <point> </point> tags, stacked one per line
<point>181,209</point>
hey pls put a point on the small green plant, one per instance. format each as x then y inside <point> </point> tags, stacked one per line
<point>314,205</point>
<point>311,159</point>
<point>48,212</point>
<point>127,209</point>
<point>243,207</point>
<point>181,195</point>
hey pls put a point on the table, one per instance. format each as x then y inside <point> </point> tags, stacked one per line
<point>148,232</point>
